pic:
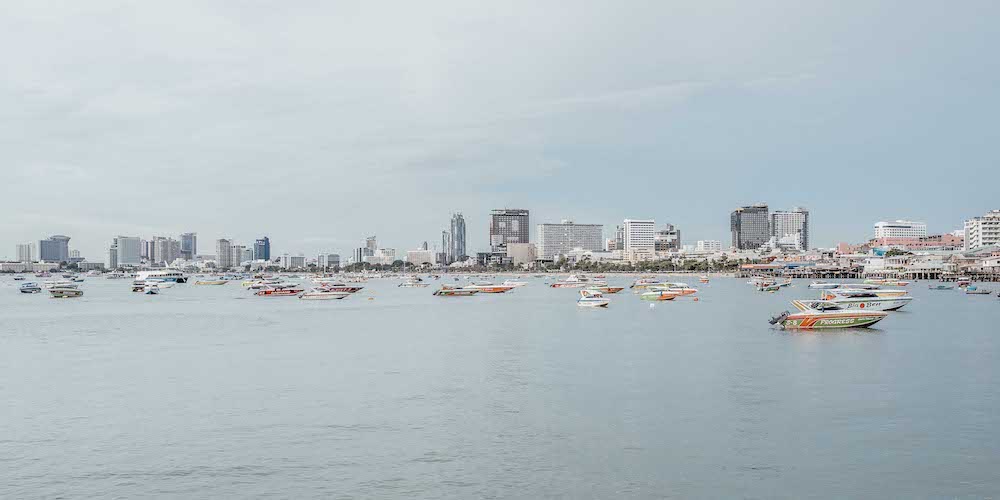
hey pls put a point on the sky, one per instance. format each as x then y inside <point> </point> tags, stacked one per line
<point>320,123</point>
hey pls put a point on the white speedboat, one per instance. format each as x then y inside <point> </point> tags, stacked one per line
<point>823,285</point>
<point>592,298</point>
<point>30,288</point>
<point>515,284</point>
<point>151,289</point>
<point>48,285</point>
<point>865,299</point>
<point>320,294</point>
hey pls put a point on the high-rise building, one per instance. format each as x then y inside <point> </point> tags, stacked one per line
<point>900,229</point>
<point>189,245</point>
<point>163,250</point>
<point>333,260</point>
<point>113,255</point>
<point>667,239</point>
<point>558,239</point>
<point>983,231</point>
<point>25,252</point>
<point>446,247</point>
<point>750,226</point>
<point>246,254</point>
<point>224,257</point>
<point>371,244</point>
<point>508,225</point>
<point>639,239</point>
<point>128,250</point>
<point>786,224</point>
<point>54,249</point>
<point>262,249</point>
<point>456,251</point>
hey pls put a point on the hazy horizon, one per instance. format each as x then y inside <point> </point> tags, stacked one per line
<point>319,124</point>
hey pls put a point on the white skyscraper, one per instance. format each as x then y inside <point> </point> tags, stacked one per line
<point>224,257</point>
<point>25,252</point>
<point>983,231</point>
<point>639,239</point>
<point>788,224</point>
<point>129,253</point>
<point>556,239</point>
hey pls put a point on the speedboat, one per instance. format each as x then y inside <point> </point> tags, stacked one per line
<point>279,291</point>
<point>823,285</point>
<point>643,283</point>
<point>592,298</point>
<point>490,288</point>
<point>703,279</point>
<point>963,282</point>
<point>211,282</point>
<point>65,293</point>
<point>447,291</point>
<point>31,287</point>
<point>785,282</point>
<point>18,278</point>
<point>974,290</point>
<point>160,283</point>
<point>606,288</point>
<point>322,294</point>
<point>58,284</point>
<point>865,299</point>
<point>664,294</point>
<point>413,284</point>
<point>822,314</point>
<point>679,288</point>
<point>515,284</point>
<point>340,287</point>
<point>574,281</point>
<point>941,287</point>
<point>877,291</point>
<point>151,288</point>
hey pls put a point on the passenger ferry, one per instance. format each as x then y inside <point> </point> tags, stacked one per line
<point>171,275</point>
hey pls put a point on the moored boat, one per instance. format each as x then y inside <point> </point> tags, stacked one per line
<point>606,288</point>
<point>490,288</point>
<point>322,294</point>
<point>823,285</point>
<point>592,298</point>
<point>659,295</point>
<point>865,299</point>
<point>65,293</point>
<point>211,282</point>
<point>171,275</point>
<point>941,287</point>
<point>821,314</point>
<point>31,287</point>
<point>447,291</point>
<point>279,291</point>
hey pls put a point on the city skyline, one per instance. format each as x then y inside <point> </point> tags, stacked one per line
<point>253,104</point>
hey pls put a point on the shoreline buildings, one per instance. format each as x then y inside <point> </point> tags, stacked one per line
<point>189,245</point>
<point>508,225</point>
<point>262,249</point>
<point>900,229</point>
<point>54,249</point>
<point>750,226</point>
<point>983,231</point>
<point>558,239</point>
<point>638,239</point>
<point>790,229</point>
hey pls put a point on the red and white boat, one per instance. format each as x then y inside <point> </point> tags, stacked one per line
<point>280,291</point>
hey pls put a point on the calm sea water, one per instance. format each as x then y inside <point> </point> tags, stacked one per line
<point>208,391</point>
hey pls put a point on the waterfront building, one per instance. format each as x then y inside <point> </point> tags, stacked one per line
<point>54,249</point>
<point>750,226</point>
<point>555,239</point>
<point>418,257</point>
<point>708,246</point>
<point>246,254</point>
<point>456,251</point>
<point>224,257</point>
<point>262,249</point>
<point>524,253</point>
<point>900,229</point>
<point>189,245</point>
<point>446,247</point>
<point>371,244</point>
<point>508,225</point>
<point>667,239</point>
<point>163,250</point>
<point>333,260</point>
<point>292,261</point>
<point>25,252</point>
<point>113,255</point>
<point>638,239</point>
<point>983,231</point>
<point>786,224</point>
<point>128,249</point>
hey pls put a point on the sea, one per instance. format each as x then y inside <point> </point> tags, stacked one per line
<point>212,392</point>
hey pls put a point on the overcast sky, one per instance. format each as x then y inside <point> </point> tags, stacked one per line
<point>318,123</point>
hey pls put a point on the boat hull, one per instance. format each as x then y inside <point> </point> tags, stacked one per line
<point>817,321</point>
<point>324,295</point>
<point>659,296</point>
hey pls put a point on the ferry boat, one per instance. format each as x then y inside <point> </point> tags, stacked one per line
<point>821,314</point>
<point>65,293</point>
<point>323,294</point>
<point>280,291</point>
<point>30,288</point>
<point>592,298</point>
<point>865,299</point>
<point>171,275</point>
<point>447,291</point>
<point>659,295</point>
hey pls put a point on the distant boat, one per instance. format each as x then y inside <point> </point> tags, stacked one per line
<point>30,288</point>
<point>65,293</point>
<point>447,291</point>
<point>592,298</point>
<point>823,285</point>
<point>321,294</point>
<point>941,287</point>
<point>211,282</point>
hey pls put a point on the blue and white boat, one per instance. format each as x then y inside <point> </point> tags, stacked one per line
<point>31,287</point>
